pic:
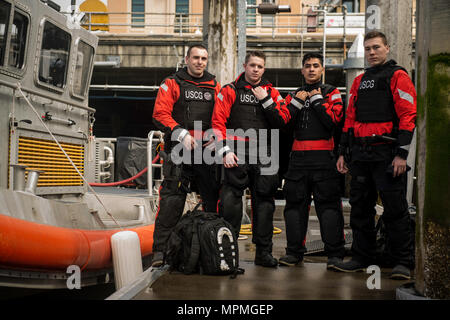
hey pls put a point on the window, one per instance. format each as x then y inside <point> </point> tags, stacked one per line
<point>181,16</point>
<point>251,14</point>
<point>54,55</point>
<point>18,40</point>
<point>5,9</point>
<point>267,20</point>
<point>349,5</point>
<point>137,13</point>
<point>83,66</point>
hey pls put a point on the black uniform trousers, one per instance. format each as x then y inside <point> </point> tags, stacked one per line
<point>262,189</point>
<point>172,198</point>
<point>368,179</point>
<point>323,183</point>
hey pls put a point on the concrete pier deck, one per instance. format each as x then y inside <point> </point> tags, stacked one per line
<point>309,281</point>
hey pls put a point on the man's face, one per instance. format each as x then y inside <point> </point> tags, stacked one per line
<point>312,70</point>
<point>375,51</point>
<point>196,62</point>
<point>254,70</point>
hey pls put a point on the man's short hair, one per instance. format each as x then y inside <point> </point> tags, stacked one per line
<point>312,55</point>
<point>199,46</point>
<point>376,34</point>
<point>255,53</point>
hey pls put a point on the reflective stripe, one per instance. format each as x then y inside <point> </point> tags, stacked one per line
<point>223,150</point>
<point>297,104</point>
<point>220,96</point>
<point>405,147</point>
<point>406,96</point>
<point>267,103</point>
<point>182,134</point>
<point>165,87</point>
<point>336,96</point>
<point>279,98</point>
<point>315,97</point>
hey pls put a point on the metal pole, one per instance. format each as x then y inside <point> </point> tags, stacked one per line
<point>205,22</point>
<point>242,35</point>
<point>324,41</point>
<point>344,8</point>
<point>324,45</point>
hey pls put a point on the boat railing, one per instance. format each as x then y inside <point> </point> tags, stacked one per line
<point>153,136</point>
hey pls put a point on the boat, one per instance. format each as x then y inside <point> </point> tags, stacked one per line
<point>52,218</point>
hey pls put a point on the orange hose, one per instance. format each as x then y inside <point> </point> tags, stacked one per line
<point>25,244</point>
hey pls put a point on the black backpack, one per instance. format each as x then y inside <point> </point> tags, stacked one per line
<point>203,242</point>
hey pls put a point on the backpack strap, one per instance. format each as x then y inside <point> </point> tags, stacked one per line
<point>195,208</point>
<point>236,272</point>
<point>195,249</point>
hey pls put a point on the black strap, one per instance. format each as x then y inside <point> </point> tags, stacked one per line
<point>236,272</point>
<point>195,251</point>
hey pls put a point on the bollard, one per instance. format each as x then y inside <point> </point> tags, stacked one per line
<point>126,256</point>
<point>18,177</point>
<point>32,180</point>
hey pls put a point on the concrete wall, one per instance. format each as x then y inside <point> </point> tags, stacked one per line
<point>155,52</point>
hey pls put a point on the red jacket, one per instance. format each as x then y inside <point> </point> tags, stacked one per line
<point>168,95</point>
<point>328,110</point>
<point>274,107</point>
<point>404,98</point>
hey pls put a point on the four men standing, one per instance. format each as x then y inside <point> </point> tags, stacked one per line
<point>381,116</point>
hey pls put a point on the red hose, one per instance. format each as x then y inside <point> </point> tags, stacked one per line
<point>118,183</point>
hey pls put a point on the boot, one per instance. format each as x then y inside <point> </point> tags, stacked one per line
<point>265,259</point>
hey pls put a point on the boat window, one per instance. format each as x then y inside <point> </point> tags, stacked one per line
<point>54,58</point>
<point>18,40</point>
<point>5,9</point>
<point>85,55</point>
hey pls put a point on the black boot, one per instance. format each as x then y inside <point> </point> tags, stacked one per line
<point>265,259</point>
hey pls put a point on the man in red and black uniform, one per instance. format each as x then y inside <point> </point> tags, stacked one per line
<point>315,111</point>
<point>381,114</point>
<point>184,98</point>
<point>250,104</point>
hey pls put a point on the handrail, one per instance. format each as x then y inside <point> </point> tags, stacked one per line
<point>47,96</point>
<point>180,23</point>
<point>150,163</point>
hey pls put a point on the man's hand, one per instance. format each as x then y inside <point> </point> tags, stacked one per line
<point>230,160</point>
<point>302,95</point>
<point>189,142</point>
<point>210,145</point>
<point>399,165</point>
<point>341,166</point>
<point>259,93</point>
<point>314,92</point>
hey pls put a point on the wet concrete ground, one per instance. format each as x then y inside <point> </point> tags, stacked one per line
<point>310,281</point>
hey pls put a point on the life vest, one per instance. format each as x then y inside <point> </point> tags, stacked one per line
<point>375,102</point>
<point>195,103</point>
<point>246,112</point>
<point>307,124</point>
